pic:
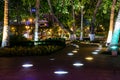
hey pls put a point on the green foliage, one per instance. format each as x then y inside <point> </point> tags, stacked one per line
<point>44,8</point>
<point>62,9</point>
<point>1,10</point>
<point>106,6</point>
<point>16,9</point>
<point>29,51</point>
<point>15,39</point>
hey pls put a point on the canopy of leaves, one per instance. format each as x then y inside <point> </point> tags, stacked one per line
<point>62,9</point>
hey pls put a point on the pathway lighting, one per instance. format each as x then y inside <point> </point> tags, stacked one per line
<point>89,58</point>
<point>81,32</point>
<point>74,51</point>
<point>78,64</point>
<point>94,52</point>
<point>70,54</point>
<point>61,72</point>
<point>27,65</point>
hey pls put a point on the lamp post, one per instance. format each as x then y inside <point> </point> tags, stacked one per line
<point>81,28</point>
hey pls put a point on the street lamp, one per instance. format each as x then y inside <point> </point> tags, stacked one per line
<point>81,32</point>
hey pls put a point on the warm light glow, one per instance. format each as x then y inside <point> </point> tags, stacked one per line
<point>61,72</point>
<point>27,65</point>
<point>74,51</point>
<point>89,58</point>
<point>71,29</point>
<point>31,20</point>
<point>27,27</point>
<point>15,20</point>
<point>100,46</point>
<point>23,20</point>
<point>13,29</point>
<point>5,39</point>
<point>77,46</point>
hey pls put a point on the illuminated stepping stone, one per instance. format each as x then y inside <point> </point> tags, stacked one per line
<point>27,65</point>
<point>61,72</point>
<point>78,64</point>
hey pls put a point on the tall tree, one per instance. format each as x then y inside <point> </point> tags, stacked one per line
<point>92,34</point>
<point>111,22</point>
<point>36,21</point>
<point>73,25</point>
<point>115,38</point>
<point>5,39</point>
<point>52,13</point>
<point>29,4</point>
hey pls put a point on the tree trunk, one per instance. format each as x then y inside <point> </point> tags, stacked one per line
<point>115,38</point>
<point>81,30</point>
<point>92,34</point>
<point>36,22</point>
<point>5,39</point>
<point>52,13</point>
<point>73,36</point>
<point>111,23</point>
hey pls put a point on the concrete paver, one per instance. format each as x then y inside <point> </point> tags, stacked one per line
<point>100,67</point>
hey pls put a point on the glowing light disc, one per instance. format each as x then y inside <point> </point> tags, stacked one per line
<point>61,72</point>
<point>27,65</point>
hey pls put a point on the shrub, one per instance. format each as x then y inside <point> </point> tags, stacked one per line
<point>29,51</point>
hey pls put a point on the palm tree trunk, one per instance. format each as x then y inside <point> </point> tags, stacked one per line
<point>115,38</point>
<point>5,39</point>
<point>111,23</point>
<point>92,34</point>
<point>73,36</point>
<point>81,30</point>
<point>36,22</point>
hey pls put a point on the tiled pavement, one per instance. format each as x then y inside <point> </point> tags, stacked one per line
<point>91,65</point>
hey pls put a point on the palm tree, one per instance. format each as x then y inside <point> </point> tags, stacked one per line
<point>5,39</point>
<point>81,32</point>
<point>73,36</point>
<point>115,37</point>
<point>111,23</point>
<point>36,22</point>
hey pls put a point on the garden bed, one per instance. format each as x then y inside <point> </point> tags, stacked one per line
<point>29,51</point>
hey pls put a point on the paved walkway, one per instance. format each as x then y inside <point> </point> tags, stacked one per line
<point>76,62</point>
